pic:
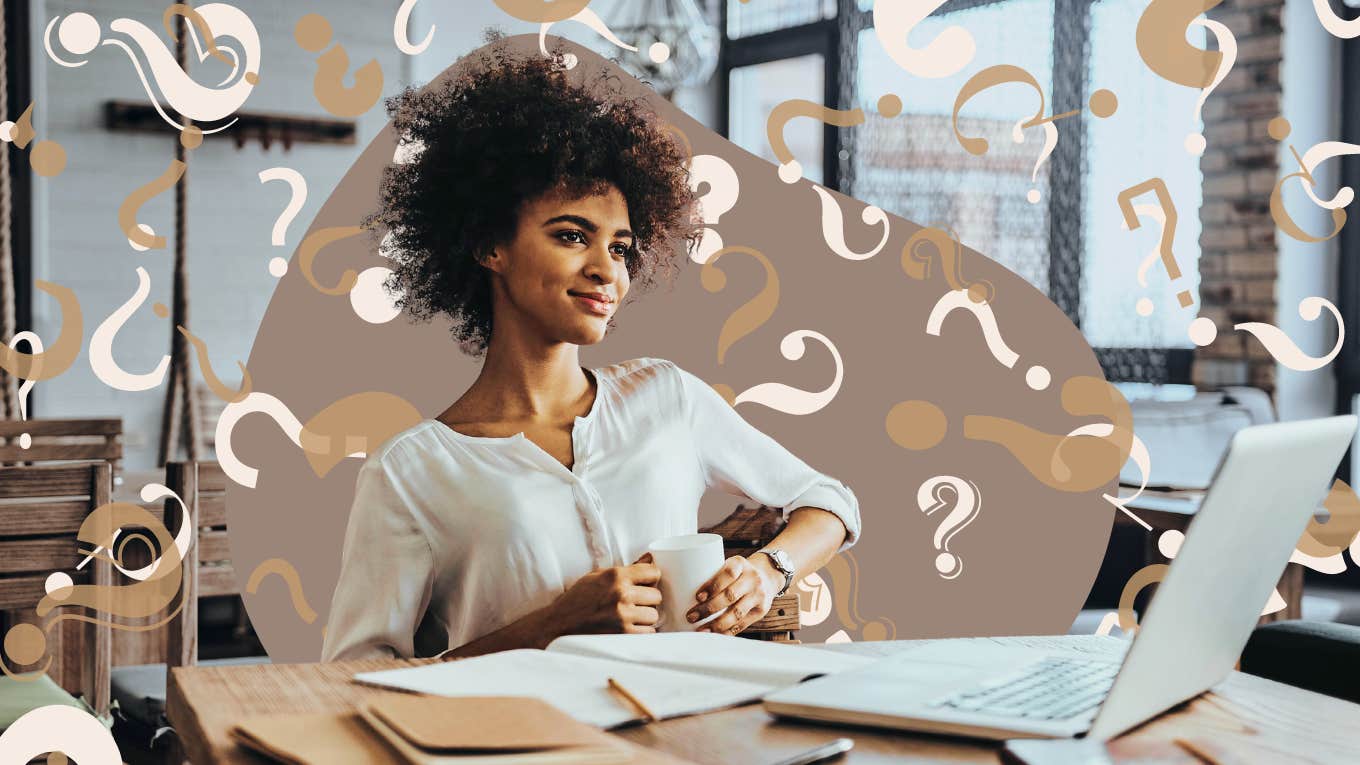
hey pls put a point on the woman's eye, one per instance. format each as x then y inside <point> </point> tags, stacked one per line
<point>572,237</point>
<point>621,250</point>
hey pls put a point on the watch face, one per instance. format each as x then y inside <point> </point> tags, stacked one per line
<point>781,559</point>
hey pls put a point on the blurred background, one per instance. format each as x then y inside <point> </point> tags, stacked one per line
<point>731,63</point>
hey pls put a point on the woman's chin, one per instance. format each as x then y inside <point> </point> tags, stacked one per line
<point>586,335</point>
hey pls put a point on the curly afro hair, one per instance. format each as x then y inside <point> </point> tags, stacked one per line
<point>507,130</point>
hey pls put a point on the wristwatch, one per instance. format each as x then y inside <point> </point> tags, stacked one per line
<point>784,565</point>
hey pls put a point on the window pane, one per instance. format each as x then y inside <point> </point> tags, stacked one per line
<point>1123,151</point>
<point>913,166</point>
<point>759,16</point>
<point>755,91</point>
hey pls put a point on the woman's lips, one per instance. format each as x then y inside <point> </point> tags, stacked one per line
<point>598,307</point>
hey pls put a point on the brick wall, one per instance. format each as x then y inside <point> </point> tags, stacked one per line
<point>1239,261</point>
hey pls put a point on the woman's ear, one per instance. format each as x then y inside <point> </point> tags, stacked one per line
<point>493,259</point>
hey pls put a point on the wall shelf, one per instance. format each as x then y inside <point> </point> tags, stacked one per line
<point>264,127</point>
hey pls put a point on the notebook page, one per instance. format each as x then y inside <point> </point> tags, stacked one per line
<point>576,685</point>
<point>756,661</point>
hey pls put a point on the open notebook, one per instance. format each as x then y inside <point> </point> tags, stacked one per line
<point>674,674</point>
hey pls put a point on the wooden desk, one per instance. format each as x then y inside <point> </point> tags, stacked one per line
<point>203,702</point>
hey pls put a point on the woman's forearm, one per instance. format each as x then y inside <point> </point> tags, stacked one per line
<point>534,630</point>
<point>810,538</point>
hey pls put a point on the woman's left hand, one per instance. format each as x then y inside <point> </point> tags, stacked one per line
<point>745,585</point>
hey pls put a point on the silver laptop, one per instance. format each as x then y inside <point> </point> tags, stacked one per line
<point>1266,488</point>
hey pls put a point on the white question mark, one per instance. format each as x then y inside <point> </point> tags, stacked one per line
<point>790,400</point>
<point>1284,350</point>
<point>402,37</point>
<point>1036,377</point>
<point>80,34</point>
<point>1050,141</point>
<point>35,346</point>
<point>59,728</point>
<point>948,53</point>
<point>278,266</point>
<point>815,593</point>
<point>833,226</point>
<point>1144,306</point>
<point>721,197</point>
<point>1227,45</point>
<point>967,502</point>
<point>589,18</point>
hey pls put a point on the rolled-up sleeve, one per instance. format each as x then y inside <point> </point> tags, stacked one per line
<point>386,574</point>
<point>738,458</point>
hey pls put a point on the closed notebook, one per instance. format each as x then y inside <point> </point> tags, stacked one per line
<point>432,730</point>
<point>333,738</point>
<point>492,730</point>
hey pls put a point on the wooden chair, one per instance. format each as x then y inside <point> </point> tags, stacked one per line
<point>203,485</point>
<point>64,440</point>
<point>41,510</point>
<point>140,689</point>
<point>746,530</point>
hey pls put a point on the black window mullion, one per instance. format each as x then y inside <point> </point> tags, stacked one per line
<point>1071,23</point>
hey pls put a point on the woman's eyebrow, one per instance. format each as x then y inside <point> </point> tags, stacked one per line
<point>585,223</point>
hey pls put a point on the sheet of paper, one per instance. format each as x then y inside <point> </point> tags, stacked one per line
<point>756,661</point>
<point>577,685</point>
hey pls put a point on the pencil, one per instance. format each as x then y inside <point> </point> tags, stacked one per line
<point>631,699</point>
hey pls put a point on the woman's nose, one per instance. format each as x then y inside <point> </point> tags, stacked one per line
<point>601,263</point>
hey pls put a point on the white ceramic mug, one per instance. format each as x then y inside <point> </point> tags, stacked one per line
<point>686,563</point>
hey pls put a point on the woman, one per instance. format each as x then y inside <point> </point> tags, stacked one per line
<point>523,510</point>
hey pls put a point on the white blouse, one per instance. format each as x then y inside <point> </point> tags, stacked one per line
<point>480,531</point>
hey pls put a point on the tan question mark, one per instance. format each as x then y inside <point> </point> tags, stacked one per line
<point>1162,43</point>
<point>750,315</point>
<point>1279,129</point>
<point>59,358</point>
<point>1158,187</point>
<point>155,586</point>
<point>1202,329</point>
<point>1323,539</point>
<point>930,245</point>
<point>313,244</point>
<point>843,570</point>
<point>1073,464</point>
<point>140,235</point>
<point>789,168</point>
<point>1102,102</point>
<point>285,571</point>
<point>312,33</point>
<point>47,158</point>
<point>347,427</point>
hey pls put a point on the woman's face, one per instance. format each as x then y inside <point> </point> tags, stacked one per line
<point>563,273</point>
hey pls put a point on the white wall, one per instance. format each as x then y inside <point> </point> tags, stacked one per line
<point>78,243</point>
<point>459,28</point>
<point>1311,74</point>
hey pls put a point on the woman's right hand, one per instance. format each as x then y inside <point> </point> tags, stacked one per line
<point>615,599</point>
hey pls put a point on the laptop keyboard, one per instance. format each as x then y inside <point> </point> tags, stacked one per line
<point>1054,688</point>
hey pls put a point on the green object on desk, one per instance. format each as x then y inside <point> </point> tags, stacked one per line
<point>22,694</point>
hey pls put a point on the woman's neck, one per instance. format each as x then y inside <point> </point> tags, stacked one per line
<point>524,381</point>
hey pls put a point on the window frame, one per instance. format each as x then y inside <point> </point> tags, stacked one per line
<point>1346,366</point>
<point>836,40</point>
<point>819,37</point>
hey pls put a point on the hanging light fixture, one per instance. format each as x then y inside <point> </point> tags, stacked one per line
<point>677,46</point>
